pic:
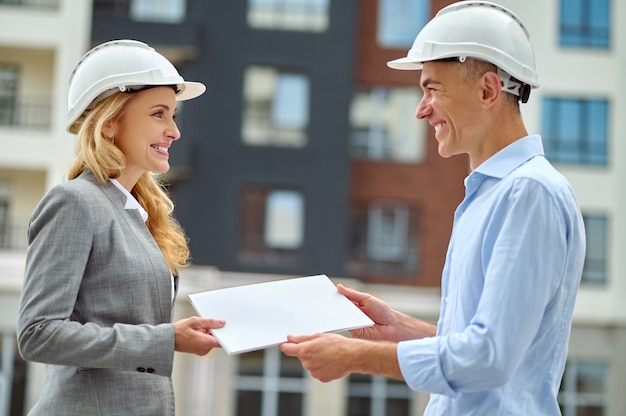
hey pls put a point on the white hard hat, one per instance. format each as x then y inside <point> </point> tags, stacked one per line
<point>476,29</point>
<point>121,65</point>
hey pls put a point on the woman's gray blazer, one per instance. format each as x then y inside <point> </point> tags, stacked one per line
<point>96,305</point>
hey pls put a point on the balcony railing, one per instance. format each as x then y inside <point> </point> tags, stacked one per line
<point>35,4</point>
<point>13,235</point>
<point>29,112</point>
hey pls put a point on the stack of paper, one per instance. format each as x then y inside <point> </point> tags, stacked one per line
<point>262,315</point>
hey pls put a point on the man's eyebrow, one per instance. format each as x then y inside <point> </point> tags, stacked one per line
<point>429,81</point>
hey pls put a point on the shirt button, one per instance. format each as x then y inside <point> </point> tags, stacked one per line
<point>150,370</point>
<point>141,369</point>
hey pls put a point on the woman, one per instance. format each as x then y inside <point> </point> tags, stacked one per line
<point>104,251</point>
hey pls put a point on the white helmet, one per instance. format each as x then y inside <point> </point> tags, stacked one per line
<point>121,65</point>
<point>476,29</point>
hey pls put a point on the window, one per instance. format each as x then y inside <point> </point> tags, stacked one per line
<point>399,21</point>
<point>5,237</point>
<point>269,383</point>
<point>585,23</point>
<point>575,130</point>
<point>40,4</point>
<point>8,95</point>
<point>378,396</point>
<point>302,15</point>
<point>584,389</point>
<point>276,108</point>
<point>5,197</point>
<point>284,220</point>
<point>384,126</point>
<point>386,233</point>
<point>272,225</point>
<point>594,271</point>
<point>384,239</point>
<point>12,376</point>
<point>158,11</point>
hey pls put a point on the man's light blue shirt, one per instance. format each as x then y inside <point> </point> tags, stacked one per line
<point>509,284</point>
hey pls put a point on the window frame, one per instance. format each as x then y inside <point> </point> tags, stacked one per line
<point>382,127</point>
<point>310,16</point>
<point>273,379</point>
<point>360,259</point>
<point>570,399</point>
<point>261,87</point>
<point>582,31</point>
<point>599,244</point>
<point>582,139</point>
<point>379,390</point>
<point>253,246</point>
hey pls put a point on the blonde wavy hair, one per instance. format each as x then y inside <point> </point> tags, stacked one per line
<point>99,154</point>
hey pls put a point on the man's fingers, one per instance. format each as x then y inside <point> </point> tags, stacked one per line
<point>296,339</point>
<point>289,349</point>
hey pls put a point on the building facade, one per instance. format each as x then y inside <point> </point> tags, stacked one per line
<point>304,157</point>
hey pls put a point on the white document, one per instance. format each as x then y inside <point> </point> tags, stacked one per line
<point>262,315</point>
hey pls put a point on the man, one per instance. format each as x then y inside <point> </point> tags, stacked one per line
<point>517,248</point>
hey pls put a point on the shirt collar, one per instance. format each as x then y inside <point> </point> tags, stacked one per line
<point>131,202</point>
<point>511,157</point>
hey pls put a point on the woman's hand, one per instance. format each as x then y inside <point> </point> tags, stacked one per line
<point>193,335</point>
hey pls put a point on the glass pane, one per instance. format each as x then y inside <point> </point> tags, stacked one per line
<point>594,270</point>
<point>359,406</point>
<point>251,363</point>
<point>398,407</point>
<point>399,21</point>
<point>160,11</point>
<point>4,229</point>
<point>388,232</point>
<point>591,378</point>
<point>590,411</point>
<point>360,378</point>
<point>249,403</point>
<point>384,127</point>
<point>291,102</point>
<point>289,404</point>
<point>8,94</point>
<point>585,23</point>
<point>599,23</point>
<point>597,131</point>
<point>290,367</point>
<point>303,15</point>
<point>575,130</point>
<point>284,220</point>
<point>571,12</point>
<point>276,108</point>
<point>569,113</point>
<point>378,246</point>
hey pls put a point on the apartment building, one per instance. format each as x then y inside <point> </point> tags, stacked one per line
<point>39,42</point>
<point>303,157</point>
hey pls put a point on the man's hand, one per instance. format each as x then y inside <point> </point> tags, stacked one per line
<point>389,324</point>
<point>377,310</point>
<point>326,356</point>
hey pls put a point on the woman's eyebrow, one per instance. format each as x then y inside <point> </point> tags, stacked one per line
<point>164,107</point>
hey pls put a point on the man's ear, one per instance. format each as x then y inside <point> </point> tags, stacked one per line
<point>491,87</point>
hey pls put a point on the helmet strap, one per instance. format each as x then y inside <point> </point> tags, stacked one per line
<point>513,85</point>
